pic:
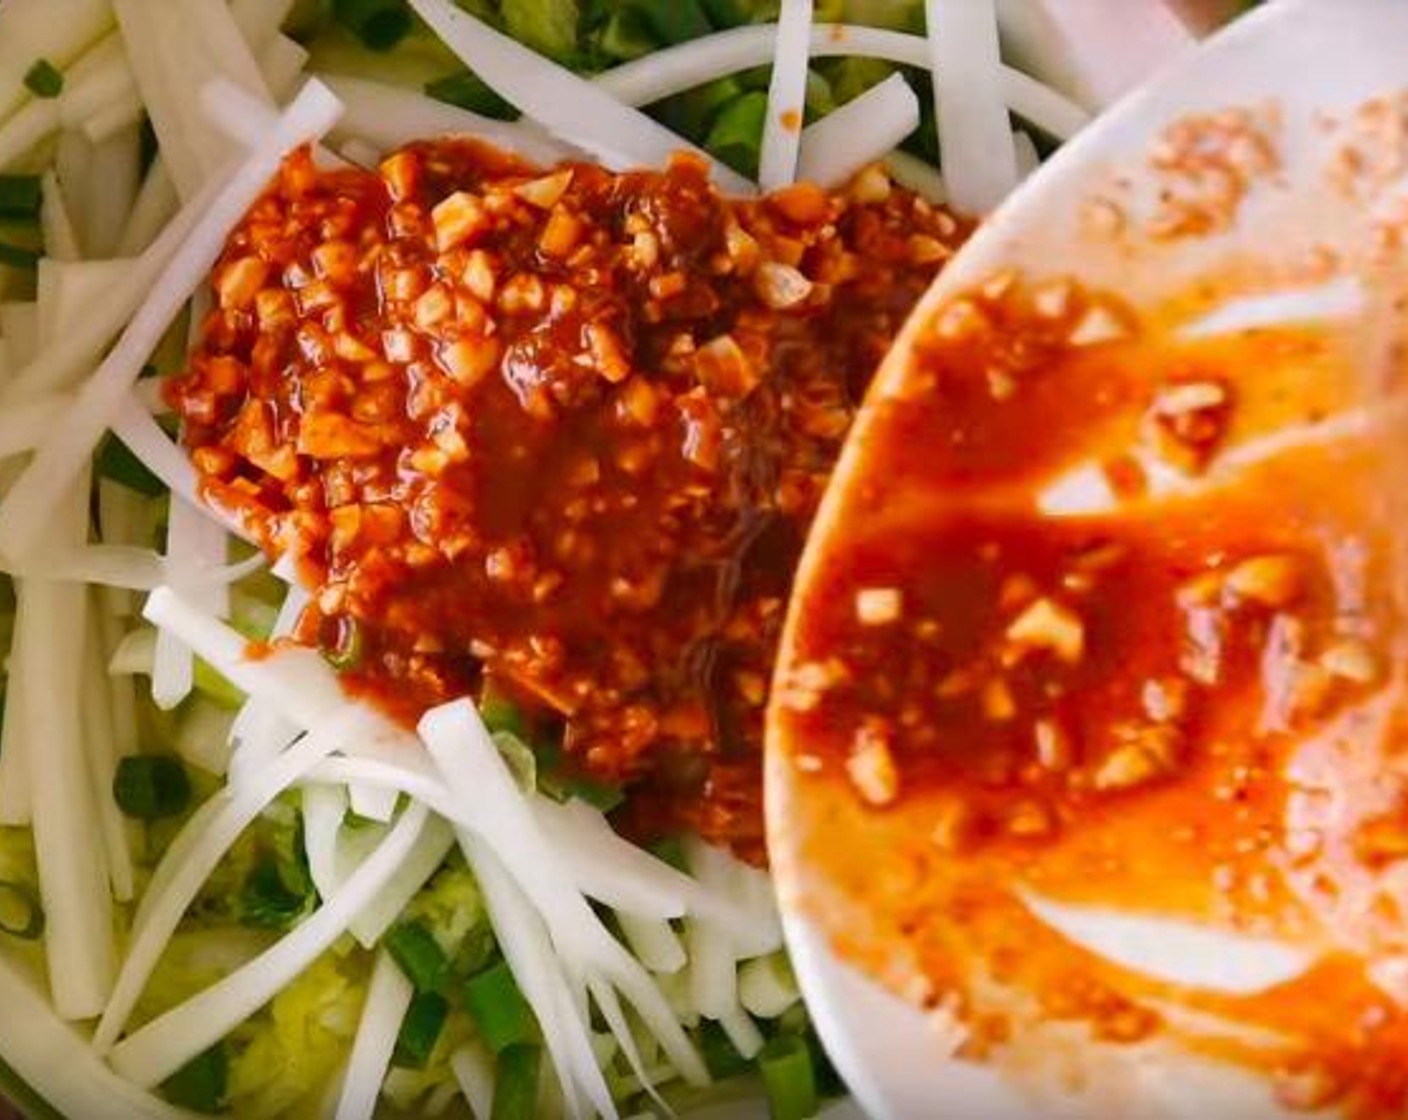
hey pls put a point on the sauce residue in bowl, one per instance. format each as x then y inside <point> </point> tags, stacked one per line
<point>564,429</point>
<point>1106,611</point>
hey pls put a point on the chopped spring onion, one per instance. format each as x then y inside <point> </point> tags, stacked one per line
<point>16,256</point>
<point>20,197</point>
<point>21,912</point>
<point>379,24</point>
<point>116,461</point>
<point>44,79</point>
<point>737,133</point>
<point>786,1067</point>
<point>516,1083</point>
<point>202,1083</point>
<point>467,90</point>
<point>149,787</point>
<point>502,715</point>
<point>498,1008</point>
<point>414,948</point>
<point>420,1030</point>
<point>275,895</point>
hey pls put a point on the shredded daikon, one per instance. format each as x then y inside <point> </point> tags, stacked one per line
<point>782,126</point>
<point>860,132</point>
<point>388,998</point>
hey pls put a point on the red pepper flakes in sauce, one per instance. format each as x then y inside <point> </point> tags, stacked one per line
<point>565,427</point>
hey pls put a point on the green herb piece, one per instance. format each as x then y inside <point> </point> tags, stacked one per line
<point>148,787</point>
<point>785,1064</point>
<point>737,134</point>
<point>414,948</point>
<point>720,1057</point>
<point>20,197</point>
<point>499,1009</point>
<point>44,79</point>
<point>21,912</point>
<point>379,24</point>
<point>671,851</point>
<point>116,462</point>
<point>17,257</point>
<point>674,21</point>
<point>346,655</point>
<point>516,1084</point>
<point>548,26</point>
<point>420,1030</point>
<point>216,687</point>
<point>201,1084</point>
<point>275,894</point>
<point>500,715</point>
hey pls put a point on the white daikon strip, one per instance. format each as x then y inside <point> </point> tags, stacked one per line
<point>67,292</point>
<point>607,867</point>
<point>259,20</point>
<point>742,1032</point>
<point>324,807</point>
<point>713,975</point>
<point>473,1067</point>
<point>862,131</point>
<point>1173,950</point>
<point>60,237</point>
<point>476,772</point>
<point>57,1061</point>
<point>1341,298</point>
<point>1027,157</point>
<point>260,732</point>
<point>189,861</point>
<point>104,204</point>
<point>538,969</point>
<point>782,125</point>
<point>975,136</point>
<point>371,923</point>
<point>388,116</point>
<point>16,805</point>
<point>282,61</point>
<point>123,111</point>
<point>735,899</point>
<point>124,696</point>
<point>194,545</point>
<point>389,996</point>
<point>19,323</point>
<point>29,31</point>
<point>654,942</point>
<point>110,565</point>
<point>675,69</point>
<point>372,803</point>
<point>767,986</point>
<point>102,755</point>
<point>22,424</point>
<point>156,203</point>
<point>570,107</point>
<point>164,1045</point>
<point>134,653</point>
<point>73,878</point>
<point>27,129</point>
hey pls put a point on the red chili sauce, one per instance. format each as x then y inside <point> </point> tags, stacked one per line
<point>556,434</point>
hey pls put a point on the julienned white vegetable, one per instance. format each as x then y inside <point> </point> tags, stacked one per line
<point>388,998</point>
<point>782,125</point>
<point>167,1043</point>
<point>436,841</point>
<point>56,1059</point>
<point>767,986</point>
<point>475,771</point>
<point>22,424</point>
<point>102,750</point>
<point>60,238</point>
<point>28,30</point>
<point>654,942</point>
<point>324,809</point>
<point>61,458</point>
<point>473,1067</point>
<point>570,107</point>
<point>388,116</point>
<point>676,69</point>
<point>860,132</point>
<point>975,136</point>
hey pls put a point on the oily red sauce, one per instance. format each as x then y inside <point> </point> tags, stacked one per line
<point>1177,700</point>
<point>561,430</point>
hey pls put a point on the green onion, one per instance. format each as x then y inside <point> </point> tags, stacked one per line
<point>379,24</point>
<point>498,1008</point>
<point>201,1084</point>
<point>148,787</point>
<point>468,91</point>
<point>21,912</point>
<point>414,948</point>
<point>671,851</point>
<point>347,654</point>
<point>116,462</point>
<point>720,1057</point>
<point>785,1064</point>
<point>44,79</point>
<point>273,897</point>
<point>674,21</point>
<point>20,197</point>
<point>420,1030</point>
<point>500,714</point>
<point>17,257</point>
<point>737,134</point>
<point>627,35</point>
<point>516,1084</point>
<point>548,26</point>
